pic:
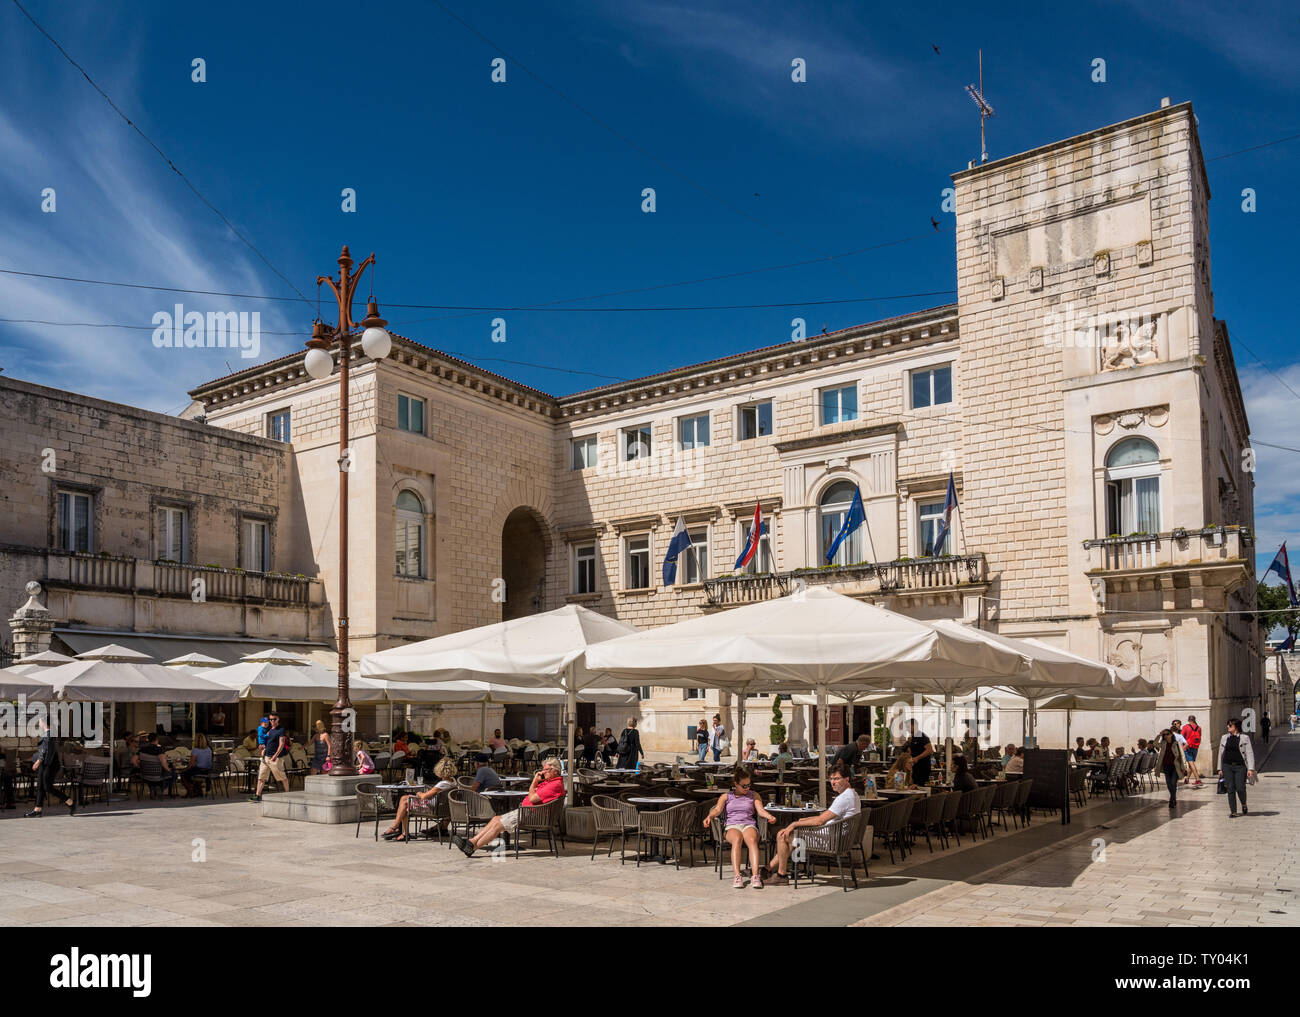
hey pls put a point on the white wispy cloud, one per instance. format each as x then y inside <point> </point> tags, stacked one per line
<point>1274,412</point>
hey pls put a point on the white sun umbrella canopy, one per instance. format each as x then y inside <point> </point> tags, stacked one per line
<point>34,663</point>
<point>544,650</point>
<point>816,639</point>
<point>291,677</point>
<point>28,682</point>
<point>199,660</point>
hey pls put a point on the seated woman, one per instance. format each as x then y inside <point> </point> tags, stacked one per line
<point>1008,754</point>
<point>1017,762</point>
<point>321,745</point>
<point>421,801</point>
<point>200,765</point>
<point>900,774</point>
<point>750,754</point>
<point>963,779</point>
<point>741,805</point>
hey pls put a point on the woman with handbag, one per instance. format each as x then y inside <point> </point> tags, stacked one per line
<point>1236,766</point>
<point>1172,763</point>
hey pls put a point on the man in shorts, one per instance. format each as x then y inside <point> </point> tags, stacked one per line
<point>846,805</point>
<point>547,785</point>
<point>273,751</point>
<point>1191,745</point>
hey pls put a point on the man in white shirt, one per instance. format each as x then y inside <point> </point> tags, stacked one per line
<point>1176,729</point>
<point>846,805</point>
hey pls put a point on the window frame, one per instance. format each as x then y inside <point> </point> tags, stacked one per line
<point>694,419</point>
<point>931,370</point>
<point>579,559</point>
<point>249,526</point>
<point>272,416</point>
<point>839,391</point>
<point>423,403</point>
<point>756,405</point>
<point>626,570</point>
<point>626,432</point>
<point>691,558</point>
<point>403,519</point>
<point>856,540</point>
<point>764,542</point>
<point>1121,489</point>
<point>72,494</point>
<point>921,502</point>
<point>583,440</point>
<point>163,544</point>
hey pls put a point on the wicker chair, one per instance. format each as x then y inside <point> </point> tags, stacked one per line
<point>372,803</point>
<point>837,840</point>
<point>218,774</point>
<point>891,824</point>
<point>984,806</point>
<point>613,818</point>
<point>468,811</point>
<point>1144,772</point>
<point>154,777</point>
<point>948,821</point>
<point>967,812</point>
<point>428,821</point>
<point>674,825</point>
<point>545,819</point>
<point>580,823</point>
<point>1004,800</point>
<point>928,816</point>
<point>721,846</point>
<point>94,777</point>
<point>1020,808</point>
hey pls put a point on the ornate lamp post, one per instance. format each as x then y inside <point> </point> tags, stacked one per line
<point>318,363</point>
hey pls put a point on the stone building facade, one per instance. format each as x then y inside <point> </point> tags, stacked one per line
<point>1080,394</point>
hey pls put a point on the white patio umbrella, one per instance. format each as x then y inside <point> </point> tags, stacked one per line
<point>539,651</point>
<point>816,639</point>
<point>28,682</point>
<point>199,660</point>
<point>283,675</point>
<point>37,662</point>
<point>114,674</point>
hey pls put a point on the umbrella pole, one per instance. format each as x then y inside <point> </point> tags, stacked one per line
<point>482,722</point>
<point>112,709</point>
<point>947,732</point>
<point>570,709</point>
<point>740,728</point>
<point>821,743</point>
<point>1033,720</point>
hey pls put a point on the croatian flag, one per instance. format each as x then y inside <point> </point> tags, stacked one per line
<point>855,517</point>
<point>755,532</point>
<point>1282,566</point>
<point>1287,644</point>
<point>680,541</point>
<point>945,526</point>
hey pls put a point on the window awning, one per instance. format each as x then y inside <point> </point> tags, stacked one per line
<point>162,646</point>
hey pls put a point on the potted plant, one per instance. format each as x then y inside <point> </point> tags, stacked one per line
<point>776,731</point>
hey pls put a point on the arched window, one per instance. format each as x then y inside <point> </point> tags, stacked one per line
<point>834,507</point>
<point>1133,487</point>
<point>410,535</point>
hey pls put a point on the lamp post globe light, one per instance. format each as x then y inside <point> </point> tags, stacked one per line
<point>319,364</point>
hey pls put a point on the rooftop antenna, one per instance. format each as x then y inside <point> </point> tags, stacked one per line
<point>986,111</point>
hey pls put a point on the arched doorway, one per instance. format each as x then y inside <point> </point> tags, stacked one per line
<point>523,564</point>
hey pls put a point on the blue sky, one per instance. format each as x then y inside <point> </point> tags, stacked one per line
<point>475,193</point>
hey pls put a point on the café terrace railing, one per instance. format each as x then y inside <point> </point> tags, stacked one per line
<point>175,579</point>
<point>904,575</point>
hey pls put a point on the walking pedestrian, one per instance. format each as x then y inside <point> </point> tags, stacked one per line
<point>629,746</point>
<point>1172,763</point>
<point>702,739</point>
<point>717,738</point>
<point>273,751</point>
<point>1264,725</point>
<point>1236,765</point>
<point>45,767</point>
<point>1192,738</point>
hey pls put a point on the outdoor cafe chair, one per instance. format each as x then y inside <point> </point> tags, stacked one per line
<point>722,848</point>
<point>468,811</point>
<point>674,825</point>
<point>890,821</point>
<point>1004,799</point>
<point>1020,808</point>
<point>465,783</point>
<point>429,821</point>
<point>614,818</point>
<point>153,777</point>
<point>94,777</point>
<point>546,820</point>
<point>948,821</point>
<point>928,816</point>
<point>218,773</point>
<point>984,808</point>
<point>1146,770</point>
<point>837,840</point>
<point>967,813</point>
<point>1077,786</point>
<point>371,803</point>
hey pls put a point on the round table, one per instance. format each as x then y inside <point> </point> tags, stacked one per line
<point>504,801</point>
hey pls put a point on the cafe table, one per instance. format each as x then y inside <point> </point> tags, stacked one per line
<point>504,801</point>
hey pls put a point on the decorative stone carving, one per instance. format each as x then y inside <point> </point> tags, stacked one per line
<point>1035,279</point>
<point>1152,416</point>
<point>1101,263</point>
<point>999,289</point>
<point>1145,254</point>
<point>1132,345</point>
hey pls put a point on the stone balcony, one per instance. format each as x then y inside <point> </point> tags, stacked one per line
<point>946,580</point>
<point>1216,557</point>
<point>137,595</point>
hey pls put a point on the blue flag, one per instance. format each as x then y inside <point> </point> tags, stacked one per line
<point>856,516</point>
<point>945,524</point>
<point>680,541</point>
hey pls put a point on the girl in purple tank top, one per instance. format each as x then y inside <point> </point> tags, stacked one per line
<point>740,808</point>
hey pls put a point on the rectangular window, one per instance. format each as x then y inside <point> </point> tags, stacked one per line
<point>693,432</point>
<point>584,568</point>
<point>762,560</point>
<point>932,387</point>
<point>257,546</point>
<point>277,425</point>
<point>642,691</point>
<point>695,693</point>
<point>638,564</point>
<point>173,531</point>
<point>75,523</point>
<point>410,545</point>
<point>839,404</point>
<point>636,442</point>
<point>410,414</point>
<point>697,557</point>
<point>1133,505</point>
<point>755,420</point>
<point>584,452</point>
<point>929,515</point>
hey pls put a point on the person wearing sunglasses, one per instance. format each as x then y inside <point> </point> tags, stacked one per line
<point>1236,764</point>
<point>742,807</point>
<point>846,805</point>
<point>547,785</point>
